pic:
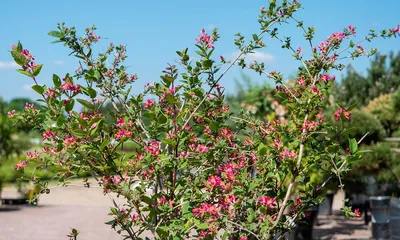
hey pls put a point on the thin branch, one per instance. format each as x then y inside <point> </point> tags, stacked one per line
<point>244,229</point>
<point>222,75</point>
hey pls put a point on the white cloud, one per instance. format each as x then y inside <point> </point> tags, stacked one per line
<point>8,65</point>
<point>256,56</point>
<point>27,87</point>
<point>210,27</point>
<point>58,62</point>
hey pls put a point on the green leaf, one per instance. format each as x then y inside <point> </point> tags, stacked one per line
<point>70,105</point>
<point>252,215</point>
<point>86,104</point>
<point>39,89</point>
<point>262,149</point>
<point>24,72</point>
<point>207,63</point>
<point>103,145</point>
<point>55,34</point>
<point>37,70</point>
<point>353,145</point>
<point>92,92</point>
<point>56,81</point>
<point>353,105</point>
<point>60,121</point>
<point>19,58</point>
<point>19,47</point>
<point>202,226</point>
<point>169,142</point>
<point>162,119</point>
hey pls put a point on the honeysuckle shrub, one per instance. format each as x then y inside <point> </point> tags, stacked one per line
<point>189,175</point>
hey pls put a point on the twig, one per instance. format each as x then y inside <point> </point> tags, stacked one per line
<point>222,75</point>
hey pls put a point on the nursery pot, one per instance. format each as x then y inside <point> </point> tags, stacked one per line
<point>380,209</point>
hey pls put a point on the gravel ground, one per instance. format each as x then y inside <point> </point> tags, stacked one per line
<point>86,209</point>
<point>58,212</point>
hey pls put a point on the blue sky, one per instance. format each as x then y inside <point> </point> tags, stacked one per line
<point>154,30</point>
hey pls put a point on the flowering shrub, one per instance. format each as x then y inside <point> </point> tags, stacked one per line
<point>190,174</point>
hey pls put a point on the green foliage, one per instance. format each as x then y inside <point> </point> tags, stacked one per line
<point>361,123</point>
<point>379,161</point>
<point>383,77</point>
<point>205,179</point>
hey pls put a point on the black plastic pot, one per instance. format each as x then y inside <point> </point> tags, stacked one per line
<point>380,209</point>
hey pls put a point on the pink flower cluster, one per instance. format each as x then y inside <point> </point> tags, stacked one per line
<point>31,65</point>
<point>395,31</point>
<point>48,135</point>
<point>32,155</point>
<point>30,106</point>
<point>148,104</point>
<point>352,29</point>
<point>287,154</point>
<point>69,140</point>
<point>11,113</point>
<point>214,181</point>
<point>153,148</point>
<point>206,208</point>
<point>337,37</point>
<point>326,78</point>
<point>21,165</point>
<point>340,111</point>
<point>204,38</point>
<point>122,133</point>
<point>69,86</point>
<point>310,125</point>
<point>267,201</point>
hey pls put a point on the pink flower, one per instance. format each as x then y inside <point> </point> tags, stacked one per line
<point>48,135</point>
<point>352,29</point>
<point>123,133</point>
<point>94,37</point>
<point>337,37</point>
<point>32,155</point>
<point>12,46</point>
<point>206,208</point>
<point>267,201</point>
<point>120,122</point>
<point>301,81</point>
<point>286,154</point>
<point>395,31</point>
<point>320,117</point>
<point>116,179</point>
<point>204,38</point>
<point>314,89</point>
<point>109,73</point>
<point>324,46</point>
<point>68,86</point>
<point>184,154</point>
<point>30,106</point>
<point>202,148</point>
<point>299,51</point>
<point>346,114</point>
<point>361,48</point>
<point>69,141</point>
<point>153,148</point>
<point>214,181</point>
<point>340,111</point>
<point>357,213</point>
<point>326,78</point>
<point>11,113</point>
<point>50,93</point>
<point>21,164</point>
<point>148,104</point>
